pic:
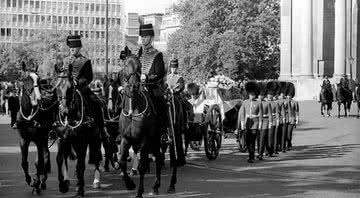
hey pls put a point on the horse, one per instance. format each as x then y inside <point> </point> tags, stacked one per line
<point>76,130</point>
<point>343,96</point>
<point>34,122</point>
<point>326,99</point>
<point>138,129</point>
<point>111,114</point>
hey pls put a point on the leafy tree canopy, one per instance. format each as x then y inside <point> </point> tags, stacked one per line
<point>238,38</point>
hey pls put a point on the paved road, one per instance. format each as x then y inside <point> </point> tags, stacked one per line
<point>325,162</point>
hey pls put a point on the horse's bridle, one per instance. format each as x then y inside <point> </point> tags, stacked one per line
<point>65,123</point>
<point>130,113</point>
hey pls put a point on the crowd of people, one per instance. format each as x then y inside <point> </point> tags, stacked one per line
<point>9,101</point>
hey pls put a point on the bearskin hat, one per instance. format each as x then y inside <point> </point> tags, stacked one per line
<point>262,88</point>
<point>283,87</point>
<point>252,86</point>
<point>272,87</point>
<point>290,89</point>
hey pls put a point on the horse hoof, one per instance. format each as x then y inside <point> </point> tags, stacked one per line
<point>80,193</point>
<point>64,186</point>
<point>36,191</point>
<point>96,185</point>
<point>117,166</point>
<point>28,179</point>
<point>130,185</point>
<point>171,190</point>
<point>106,168</point>
<point>154,192</point>
<point>43,186</point>
<point>139,196</point>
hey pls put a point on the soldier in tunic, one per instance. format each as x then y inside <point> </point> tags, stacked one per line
<point>293,114</point>
<point>281,128</point>
<point>266,122</point>
<point>250,118</point>
<point>83,75</point>
<point>271,89</point>
<point>153,75</point>
<point>285,111</point>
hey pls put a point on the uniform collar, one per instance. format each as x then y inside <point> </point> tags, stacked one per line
<point>149,49</point>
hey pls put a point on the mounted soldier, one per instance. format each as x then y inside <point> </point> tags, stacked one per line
<point>81,70</point>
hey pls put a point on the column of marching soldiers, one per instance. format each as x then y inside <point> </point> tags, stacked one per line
<point>268,117</point>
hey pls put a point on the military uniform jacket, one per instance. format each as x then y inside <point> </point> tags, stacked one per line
<point>250,114</point>
<point>281,110</point>
<point>275,112</point>
<point>293,111</point>
<point>152,65</point>
<point>267,114</point>
<point>82,69</point>
<point>175,82</point>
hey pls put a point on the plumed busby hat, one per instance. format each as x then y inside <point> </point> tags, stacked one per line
<point>174,63</point>
<point>252,86</point>
<point>272,87</point>
<point>146,30</point>
<point>290,89</point>
<point>283,87</point>
<point>262,88</point>
<point>73,41</point>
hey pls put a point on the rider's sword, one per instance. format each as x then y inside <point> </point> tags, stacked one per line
<point>171,123</point>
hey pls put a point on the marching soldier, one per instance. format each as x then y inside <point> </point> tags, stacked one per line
<point>271,89</point>
<point>250,118</point>
<point>83,75</point>
<point>293,114</point>
<point>266,121</point>
<point>281,127</point>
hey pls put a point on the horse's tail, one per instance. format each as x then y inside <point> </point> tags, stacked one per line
<point>68,150</point>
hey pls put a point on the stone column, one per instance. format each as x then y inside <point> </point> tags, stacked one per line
<point>340,38</point>
<point>307,41</point>
<point>286,39</point>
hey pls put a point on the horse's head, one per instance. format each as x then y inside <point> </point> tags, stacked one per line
<point>65,88</point>
<point>132,71</point>
<point>30,84</point>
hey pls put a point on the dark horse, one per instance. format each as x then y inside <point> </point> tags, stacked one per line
<point>35,120</point>
<point>76,130</point>
<point>343,96</point>
<point>138,128</point>
<point>326,98</point>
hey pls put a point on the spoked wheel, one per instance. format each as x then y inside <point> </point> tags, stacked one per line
<point>213,135</point>
<point>241,140</point>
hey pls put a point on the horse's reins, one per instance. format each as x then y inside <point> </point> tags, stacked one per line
<point>138,114</point>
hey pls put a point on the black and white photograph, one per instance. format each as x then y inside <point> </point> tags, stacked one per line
<point>180,98</point>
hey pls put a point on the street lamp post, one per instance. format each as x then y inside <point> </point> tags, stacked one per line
<point>107,38</point>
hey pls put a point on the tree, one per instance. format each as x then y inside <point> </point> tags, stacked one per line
<point>234,37</point>
<point>43,49</point>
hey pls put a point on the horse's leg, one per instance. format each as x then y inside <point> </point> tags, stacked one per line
<point>321,109</point>
<point>159,163</point>
<point>40,166</point>
<point>124,149</point>
<point>345,108</point>
<point>143,167</point>
<point>24,146</point>
<point>173,181</point>
<point>63,177</point>
<point>339,108</point>
<point>135,162</point>
<point>108,153</point>
<point>80,148</point>
<point>47,165</point>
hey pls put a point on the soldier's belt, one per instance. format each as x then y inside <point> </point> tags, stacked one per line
<point>252,116</point>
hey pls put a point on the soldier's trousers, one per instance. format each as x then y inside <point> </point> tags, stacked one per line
<point>277,138</point>
<point>284,136</point>
<point>263,135</point>
<point>250,142</point>
<point>289,133</point>
<point>271,140</point>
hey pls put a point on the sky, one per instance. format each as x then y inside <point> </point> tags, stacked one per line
<point>147,6</point>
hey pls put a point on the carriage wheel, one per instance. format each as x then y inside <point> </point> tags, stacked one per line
<point>213,135</point>
<point>242,142</point>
